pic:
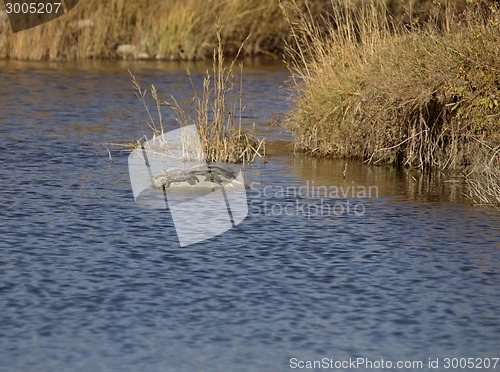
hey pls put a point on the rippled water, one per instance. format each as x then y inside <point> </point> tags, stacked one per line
<point>91,282</point>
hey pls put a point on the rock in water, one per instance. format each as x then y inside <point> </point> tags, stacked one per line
<point>213,173</point>
<point>171,175</point>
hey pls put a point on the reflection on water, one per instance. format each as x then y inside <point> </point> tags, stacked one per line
<point>90,281</point>
<point>408,183</point>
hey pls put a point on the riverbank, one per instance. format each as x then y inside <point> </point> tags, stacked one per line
<point>173,29</point>
<point>411,83</point>
<point>420,96</point>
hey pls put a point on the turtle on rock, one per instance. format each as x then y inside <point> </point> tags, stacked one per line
<point>204,170</point>
<point>213,173</point>
<point>171,175</point>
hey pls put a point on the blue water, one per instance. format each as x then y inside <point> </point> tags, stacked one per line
<point>91,282</point>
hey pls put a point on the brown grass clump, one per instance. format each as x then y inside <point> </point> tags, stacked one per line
<point>217,115</point>
<point>370,89</point>
<point>421,95</point>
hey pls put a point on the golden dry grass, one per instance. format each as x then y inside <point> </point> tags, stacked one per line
<point>172,29</point>
<point>217,112</point>
<point>366,88</point>
<point>420,95</point>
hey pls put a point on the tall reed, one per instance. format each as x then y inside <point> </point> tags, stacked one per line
<point>217,114</point>
<point>170,29</point>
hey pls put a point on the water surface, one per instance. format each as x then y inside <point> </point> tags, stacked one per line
<point>91,282</point>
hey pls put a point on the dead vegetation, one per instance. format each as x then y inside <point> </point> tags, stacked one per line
<point>423,95</point>
<point>217,113</point>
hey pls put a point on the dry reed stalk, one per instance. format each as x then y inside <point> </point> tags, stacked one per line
<point>484,188</point>
<point>218,113</point>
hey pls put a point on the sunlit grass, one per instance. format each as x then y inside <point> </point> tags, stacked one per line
<point>171,29</point>
<point>368,88</point>
<point>423,95</point>
<point>217,113</point>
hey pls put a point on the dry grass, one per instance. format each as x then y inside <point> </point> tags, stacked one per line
<point>420,97</point>
<point>423,95</point>
<point>171,29</point>
<point>217,114</point>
